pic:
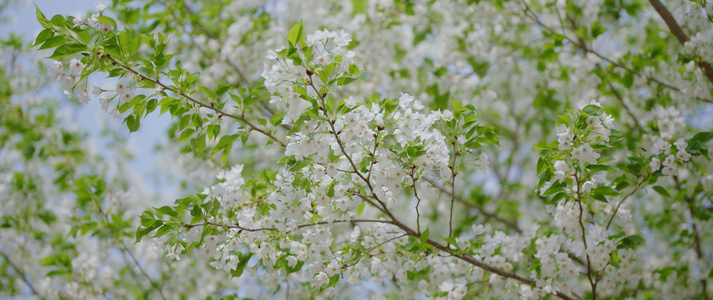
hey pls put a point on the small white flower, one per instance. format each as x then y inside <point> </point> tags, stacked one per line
<point>104,27</point>
<point>76,66</point>
<point>96,90</point>
<point>78,20</point>
<point>101,6</point>
<point>56,69</point>
<point>447,115</point>
<point>83,97</point>
<point>291,261</point>
<point>461,139</point>
<point>478,229</point>
<point>350,102</point>
<point>683,155</point>
<point>121,87</point>
<point>115,114</point>
<point>67,82</point>
<point>681,144</point>
<point>588,186</point>
<point>655,164</point>
<point>93,21</point>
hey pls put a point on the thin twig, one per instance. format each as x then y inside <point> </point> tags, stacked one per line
<point>240,119</point>
<point>623,104</point>
<point>584,237</point>
<point>453,190</point>
<point>530,14</point>
<point>696,235</point>
<point>206,223</point>
<point>445,248</point>
<point>131,254</point>
<point>22,275</point>
<point>510,224</point>
<point>233,65</point>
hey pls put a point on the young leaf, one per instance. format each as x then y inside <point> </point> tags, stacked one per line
<point>295,34</point>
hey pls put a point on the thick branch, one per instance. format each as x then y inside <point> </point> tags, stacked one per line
<point>679,34</point>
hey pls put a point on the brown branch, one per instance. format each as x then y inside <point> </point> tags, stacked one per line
<point>679,34</point>
<point>696,236</point>
<point>638,187</point>
<point>22,275</point>
<point>201,49</point>
<point>453,190</point>
<point>584,236</point>
<point>510,224</point>
<point>697,244</point>
<point>409,230</point>
<point>238,118</point>
<point>530,14</point>
<point>418,200</point>
<point>473,261</point>
<point>128,251</point>
<point>206,223</point>
<point>623,104</point>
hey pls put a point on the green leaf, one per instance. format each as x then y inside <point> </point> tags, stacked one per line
<point>53,42</point>
<point>661,190</point>
<point>58,20</point>
<point>297,267</point>
<point>605,190</point>
<point>600,197</point>
<point>167,210</point>
<point>424,235</point>
<point>558,197</point>
<point>295,34</point>
<point>589,110</point>
<point>142,231</point>
<point>541,164</point>
<point>132,123</point>
<point>41,18</point>
<point>600,168</point>
<point>186,134</point>
<point>67,49</point>
<point>630,242</point>
<point>43,36</point>
<point>242,263</point>
<point>225,141</point>
<point>360,208</point>
<point>163,230</point>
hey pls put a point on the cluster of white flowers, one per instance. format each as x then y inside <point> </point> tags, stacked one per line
<point>68,80</point>
<point>670,124</point>
<point>228,192</point>
<point>93,21</point>
<point>326,189</point>
<point>281,77</point>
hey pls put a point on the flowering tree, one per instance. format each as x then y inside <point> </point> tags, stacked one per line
<point>387,149</point>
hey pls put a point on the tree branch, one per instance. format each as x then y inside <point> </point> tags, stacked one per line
<point>679,34</point>
<point>22,275</point>
<point>623,104</point>
<point>240,119</point>
<point>530,14</point>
